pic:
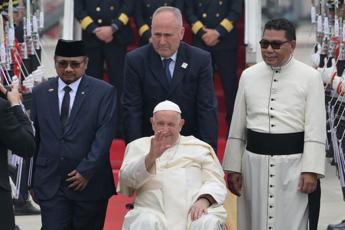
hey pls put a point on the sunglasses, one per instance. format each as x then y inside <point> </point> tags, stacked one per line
<point>274,44</point>
<point>64,64</point>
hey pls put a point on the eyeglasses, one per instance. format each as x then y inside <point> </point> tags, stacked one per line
<point>274,44</point>
<point>64,64</point>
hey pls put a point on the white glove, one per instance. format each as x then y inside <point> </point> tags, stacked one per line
<point>315,57</point>
<point>328,73</point>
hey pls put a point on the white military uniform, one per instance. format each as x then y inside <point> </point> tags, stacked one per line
<point>288,99</point>
<point>164,195</point>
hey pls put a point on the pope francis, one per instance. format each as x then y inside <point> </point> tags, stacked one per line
<point>178,180</point>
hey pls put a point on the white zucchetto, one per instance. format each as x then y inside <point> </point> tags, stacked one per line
<point>167,105</point>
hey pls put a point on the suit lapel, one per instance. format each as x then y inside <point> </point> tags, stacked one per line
<point>181,66</point>
<point>156,67</point>
<point>53,105</point>
<point>78,101</point>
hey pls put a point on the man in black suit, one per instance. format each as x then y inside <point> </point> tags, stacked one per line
<point>168,69</point>
<point>74,119</point>
<point>214,30</point>
<point>16,134</point>
<point>106,32</point>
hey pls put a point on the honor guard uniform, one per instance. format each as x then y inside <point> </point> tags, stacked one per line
<point>214,30</point>
<point>143,15</point>
<point>106,33</point>
<point>15,51</point>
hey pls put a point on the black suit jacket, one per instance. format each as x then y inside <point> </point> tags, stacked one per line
<point>212,14</point>
<point>16,134</point>
<point>94,13</point>
<point>83,145</point>
<point>145,85</point>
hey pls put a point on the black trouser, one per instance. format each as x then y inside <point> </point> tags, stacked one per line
<point>6,210</point>
<point>314,206</point>
<point>62,213</point>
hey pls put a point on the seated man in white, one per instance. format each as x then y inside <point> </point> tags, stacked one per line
<point>178,180</point>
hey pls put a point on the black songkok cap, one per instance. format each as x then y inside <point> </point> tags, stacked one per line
<point>70,48</point>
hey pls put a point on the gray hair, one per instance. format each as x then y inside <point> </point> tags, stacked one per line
<point>171,9</point>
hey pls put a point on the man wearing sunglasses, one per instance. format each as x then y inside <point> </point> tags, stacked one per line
<point>73,115</point>
<point>276,145</point>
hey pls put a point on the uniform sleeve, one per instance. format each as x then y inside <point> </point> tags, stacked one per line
<point>86,22</point>
<point>127,10</point>
<point>193,20</point>
<point>144,29</point>
<point>235,145</point>
<point>313,158</point>
<point>227,24</point>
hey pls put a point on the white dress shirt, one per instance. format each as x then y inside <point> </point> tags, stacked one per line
<point>172,63</point>
<point>74,87</point>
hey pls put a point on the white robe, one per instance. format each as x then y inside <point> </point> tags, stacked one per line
<point>286,100</point>
<point>164,196</point>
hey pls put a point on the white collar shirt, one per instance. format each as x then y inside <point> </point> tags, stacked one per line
<point>74,87</point>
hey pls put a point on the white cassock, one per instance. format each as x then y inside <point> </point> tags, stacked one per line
<point>164,195</point>
<point>285,100</point>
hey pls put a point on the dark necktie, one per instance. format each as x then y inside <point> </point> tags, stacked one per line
<point>166,63</point>
<point>65,106</point>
